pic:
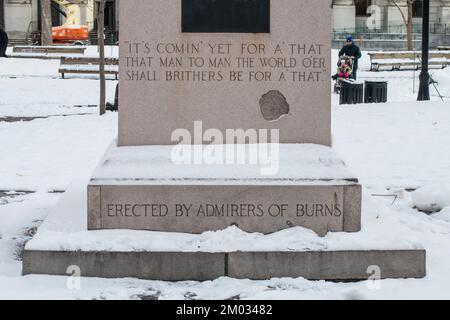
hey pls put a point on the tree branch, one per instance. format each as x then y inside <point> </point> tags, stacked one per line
<point>401,12</point>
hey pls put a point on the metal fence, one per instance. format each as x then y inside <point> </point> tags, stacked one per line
<point>111,37</point>
<point>435,28</point>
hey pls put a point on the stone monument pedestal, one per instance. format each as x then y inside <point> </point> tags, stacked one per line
<point>309,175</point>
<point>141,188</point>
<point>63,243</point>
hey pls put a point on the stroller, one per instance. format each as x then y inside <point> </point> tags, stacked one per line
<point>344,72</point>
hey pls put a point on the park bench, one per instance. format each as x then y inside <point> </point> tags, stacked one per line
<point>46,52</point>
<point>50,49</point>
<point>406,60</point>
<point>85,65</point>
<point>443,48</point>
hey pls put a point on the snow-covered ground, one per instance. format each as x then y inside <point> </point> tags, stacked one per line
<point>50,134</point>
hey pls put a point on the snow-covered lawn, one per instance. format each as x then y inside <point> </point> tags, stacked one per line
<point>394,149</point>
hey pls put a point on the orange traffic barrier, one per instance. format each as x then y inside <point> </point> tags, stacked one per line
<point>70,33</point>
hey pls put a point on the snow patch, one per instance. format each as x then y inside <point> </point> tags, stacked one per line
<point>444,215</point>
<point>432,198</point>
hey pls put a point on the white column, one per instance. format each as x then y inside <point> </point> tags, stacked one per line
<point>83,13</point>
<point>344,15</point>
<point>444,12</point>
<point>17,18</point>
<point>394,20</point>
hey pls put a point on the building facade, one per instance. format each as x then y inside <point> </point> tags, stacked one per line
<point>20,17</point>
<point>386,15</point>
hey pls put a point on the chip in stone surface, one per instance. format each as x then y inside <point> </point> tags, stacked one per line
<point>273,105</point>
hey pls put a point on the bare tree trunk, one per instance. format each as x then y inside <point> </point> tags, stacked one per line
<point>101,46</point>
<point>407,21</point>
<point>46,23</point>
<point>409,27</point>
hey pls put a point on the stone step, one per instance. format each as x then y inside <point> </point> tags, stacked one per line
<point>201,266</point>
<point>142,188</point>
<point>196,209</point>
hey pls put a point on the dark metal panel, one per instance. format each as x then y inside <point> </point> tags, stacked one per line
<point>227,16</point>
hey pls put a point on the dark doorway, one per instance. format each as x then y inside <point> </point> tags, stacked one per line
<point>2,14</point>
<point>361,7</point>
<point>417,9</point>
<point>56,15</point>
<point>110,16</point>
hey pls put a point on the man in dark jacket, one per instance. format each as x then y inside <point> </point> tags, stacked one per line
<point>3,43</point>
<point>353,51</point>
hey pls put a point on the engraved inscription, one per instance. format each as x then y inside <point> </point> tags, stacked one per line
<point>217,62</point>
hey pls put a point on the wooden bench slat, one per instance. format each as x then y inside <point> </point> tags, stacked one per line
<point>47,50</point>
<point>63,71</point>
<point>376,59</point>
<point>87,71</point>
<point>87,61</point>
<point>69,65</point>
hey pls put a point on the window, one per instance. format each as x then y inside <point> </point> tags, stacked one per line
<point>361,7</point>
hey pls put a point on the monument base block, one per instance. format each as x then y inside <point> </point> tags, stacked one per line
<point>201,266</point>
<point>63,241</point>
<point>147,188</point>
